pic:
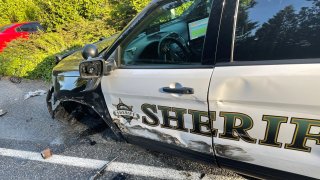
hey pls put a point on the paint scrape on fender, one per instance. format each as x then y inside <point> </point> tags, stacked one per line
<point>232,152</point>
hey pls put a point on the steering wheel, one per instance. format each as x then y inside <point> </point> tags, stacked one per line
<point>173,48</point>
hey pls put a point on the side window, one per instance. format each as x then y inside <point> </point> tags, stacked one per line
<point>24,28</point>
<point>277,30</point>
<point>32,27</point>
<point>173,33</point>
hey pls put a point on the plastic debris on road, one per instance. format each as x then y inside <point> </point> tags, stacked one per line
<point>2,112</point>
<point>102,170</point>
<point>15,80</point>
<point>35,93</point>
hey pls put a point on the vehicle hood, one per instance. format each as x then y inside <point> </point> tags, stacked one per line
<point>69,66</point>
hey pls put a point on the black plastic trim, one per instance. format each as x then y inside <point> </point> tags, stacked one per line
<point>258,171</point>
<point>224,41</point>
<point>243,168</point>
<point>269,62</point>
<point>168,67</point>
<point>183,90</point>
<point>211,39</point>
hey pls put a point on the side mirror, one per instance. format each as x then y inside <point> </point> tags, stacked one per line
<point>90,51</point>
<point>96,68</point>
<point>92,68</point>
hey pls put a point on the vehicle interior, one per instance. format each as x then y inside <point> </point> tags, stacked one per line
<point>174,33</point>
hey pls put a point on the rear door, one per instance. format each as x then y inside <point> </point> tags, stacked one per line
<point>159,92</point>
<point>265,88</point>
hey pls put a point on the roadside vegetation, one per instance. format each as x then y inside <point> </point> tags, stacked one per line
<point>69,24</point>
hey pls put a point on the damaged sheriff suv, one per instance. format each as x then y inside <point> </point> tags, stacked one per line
<point>235,83</point>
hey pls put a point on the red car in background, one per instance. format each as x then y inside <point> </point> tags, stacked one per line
<point>17,30</point>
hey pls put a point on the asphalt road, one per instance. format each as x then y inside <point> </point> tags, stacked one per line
<point>27,129</point>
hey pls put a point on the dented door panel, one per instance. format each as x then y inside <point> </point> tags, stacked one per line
<point>140,107</point>
<point>268,115</point>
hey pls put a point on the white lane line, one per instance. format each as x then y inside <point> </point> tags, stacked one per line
<point>151,171</point>
<point>55,159</point>
<point>134,169</point>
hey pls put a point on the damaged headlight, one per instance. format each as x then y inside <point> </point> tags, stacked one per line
<point>92,68</point>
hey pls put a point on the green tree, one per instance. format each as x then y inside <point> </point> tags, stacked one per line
<point>138,5</point>
<point>57,13</point>
<point>121,13</point>
<point>278,33</point>
<point>18,10</point>
<point>93,9</point>
<point>244,24</point>
<point>70,24</point>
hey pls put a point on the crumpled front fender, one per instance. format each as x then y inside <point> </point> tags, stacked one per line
<point>74,89</point>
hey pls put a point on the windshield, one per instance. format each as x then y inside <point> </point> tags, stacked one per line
<point>171,12</point>
<point>3,28</point>
<point>174,12</point>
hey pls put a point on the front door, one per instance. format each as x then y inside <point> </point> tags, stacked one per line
<point>160,89</point>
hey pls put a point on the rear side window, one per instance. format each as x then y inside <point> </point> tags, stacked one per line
<point>277,30</point>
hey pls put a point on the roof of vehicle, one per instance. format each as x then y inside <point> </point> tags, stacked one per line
<point>156,1</point>
<point>4,28</point>
<point>18,23</point>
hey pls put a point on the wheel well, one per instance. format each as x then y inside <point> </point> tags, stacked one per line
<point>69,111</point>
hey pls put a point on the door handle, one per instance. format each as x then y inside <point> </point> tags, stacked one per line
<point>182,90</point>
